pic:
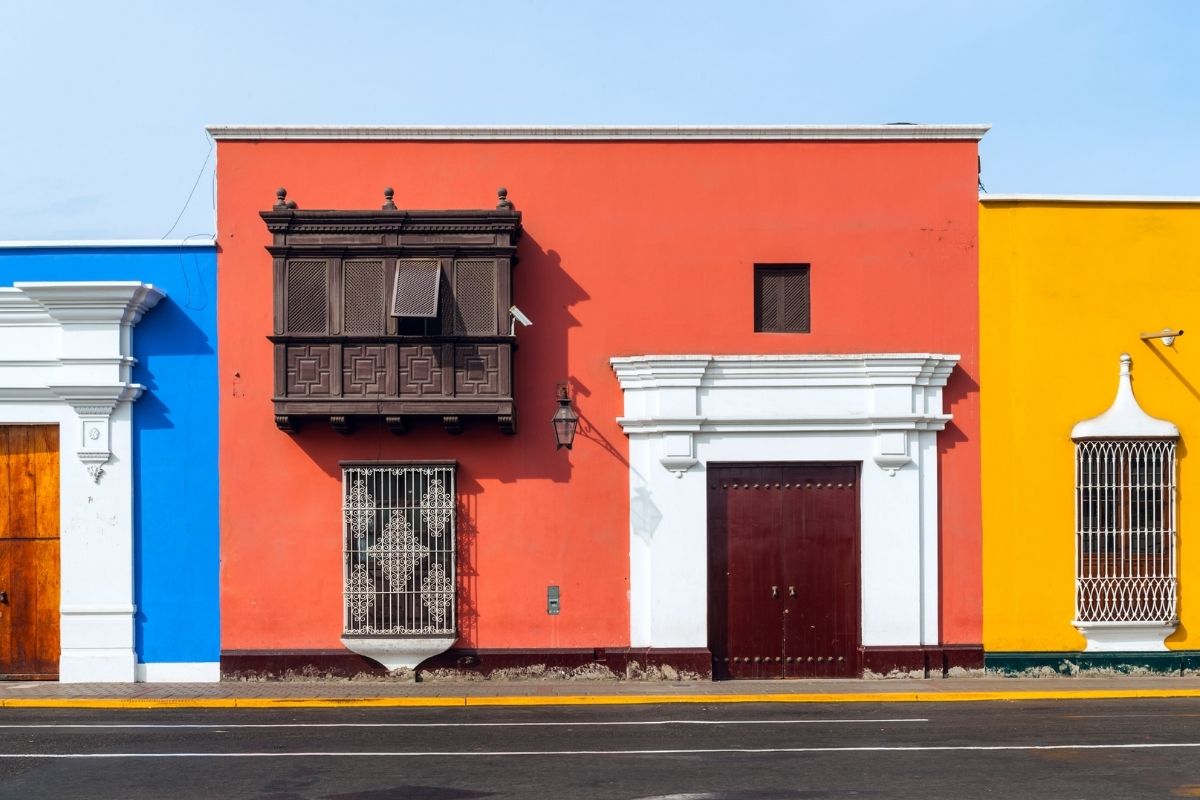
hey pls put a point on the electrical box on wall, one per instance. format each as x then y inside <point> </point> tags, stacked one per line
<point>552,604</point>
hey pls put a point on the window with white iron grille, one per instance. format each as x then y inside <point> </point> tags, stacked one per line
<point>1125,530</point>
<point>1126,595</point>
<point>399,535</point>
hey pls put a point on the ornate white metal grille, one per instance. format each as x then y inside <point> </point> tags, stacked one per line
<point>399,524</point>
<point>1125,531</point>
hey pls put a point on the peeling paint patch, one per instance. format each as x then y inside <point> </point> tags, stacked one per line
<point>966,672</point>
<point>896,674</point>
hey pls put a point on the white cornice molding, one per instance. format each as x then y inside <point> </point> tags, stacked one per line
<point>103,244</point>
<point>675,397</point>
<point>19,309</point>
<point>898,132</point>
<point>1125,419</point>
<point>1084,199</point>
<point>908,422</point>
<point>93,301</point>
<point>859,369</point>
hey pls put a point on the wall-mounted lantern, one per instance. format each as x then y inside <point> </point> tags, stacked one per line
<point>565,421</point>
<point>1167,336</point>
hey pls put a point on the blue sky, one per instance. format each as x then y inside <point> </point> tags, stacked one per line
<point>104,104</point>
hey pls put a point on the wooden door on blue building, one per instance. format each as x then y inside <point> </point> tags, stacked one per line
<point>29,552</point>
<point>783,570</point>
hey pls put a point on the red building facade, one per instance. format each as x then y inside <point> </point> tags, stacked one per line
<point>669,275</point>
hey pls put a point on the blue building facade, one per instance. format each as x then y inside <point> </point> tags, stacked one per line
<point>172,441</point>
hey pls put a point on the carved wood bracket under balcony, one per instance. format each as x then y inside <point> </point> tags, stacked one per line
<point>393,314</point>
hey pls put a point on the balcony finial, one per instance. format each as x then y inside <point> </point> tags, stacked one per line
<point>388,203</point>
<point>281,201</point>
<point>504,203</point>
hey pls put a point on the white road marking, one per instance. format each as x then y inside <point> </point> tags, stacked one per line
<point>470,724</point>
<point>1123,716</point>
<point>681,752</point>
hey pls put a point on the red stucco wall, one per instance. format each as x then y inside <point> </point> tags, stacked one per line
<point>629,248</point>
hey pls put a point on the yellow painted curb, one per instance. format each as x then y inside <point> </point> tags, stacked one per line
<point>590,700</point>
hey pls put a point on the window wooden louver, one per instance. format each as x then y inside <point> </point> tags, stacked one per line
<point>393,315</point>
<point>306,296</point>
<point>416,291</point>
<point>362,293</point>
<point>473,312</point>
<point>781,299</point>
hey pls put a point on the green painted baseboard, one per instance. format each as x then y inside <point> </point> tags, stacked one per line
<point>1172,662</point>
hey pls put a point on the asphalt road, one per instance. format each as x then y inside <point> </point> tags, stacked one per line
<point>1063,749</point>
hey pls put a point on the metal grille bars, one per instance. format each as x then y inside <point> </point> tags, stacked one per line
<point>399,534</point>
<point>1125,530</point>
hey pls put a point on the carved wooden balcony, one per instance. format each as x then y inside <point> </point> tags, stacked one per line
<point>393,314</point>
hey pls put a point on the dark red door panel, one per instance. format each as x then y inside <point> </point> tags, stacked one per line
<point>783,570</point>
<point>819,550</point>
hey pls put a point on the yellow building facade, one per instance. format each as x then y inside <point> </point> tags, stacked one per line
<point>1066,286</point>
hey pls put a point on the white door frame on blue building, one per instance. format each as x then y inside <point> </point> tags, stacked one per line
<point>66,360</point>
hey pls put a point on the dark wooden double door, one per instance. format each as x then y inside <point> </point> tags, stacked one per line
<point>783,570</point>
<point>29,552</point>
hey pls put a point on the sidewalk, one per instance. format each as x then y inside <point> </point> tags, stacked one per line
<point>394,694</point>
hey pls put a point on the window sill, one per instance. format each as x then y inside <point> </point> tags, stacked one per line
<point>398,652</point>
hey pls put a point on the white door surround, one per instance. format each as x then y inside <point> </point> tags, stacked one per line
<point>684,411</point>
<point>66,359</point>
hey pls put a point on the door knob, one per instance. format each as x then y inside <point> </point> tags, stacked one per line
<point>791,591</point>
<point>4,597</point>
<point>774,591</point>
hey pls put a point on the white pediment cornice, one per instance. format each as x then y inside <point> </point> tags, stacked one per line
<point>678,396</point>
<point>123,302</point>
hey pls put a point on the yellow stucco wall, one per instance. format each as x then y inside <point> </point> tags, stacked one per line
<point>1065,288</point>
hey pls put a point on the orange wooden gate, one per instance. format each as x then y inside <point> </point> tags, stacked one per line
<point>29,560</point>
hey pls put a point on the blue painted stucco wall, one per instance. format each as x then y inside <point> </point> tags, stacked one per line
<point>175,502</point>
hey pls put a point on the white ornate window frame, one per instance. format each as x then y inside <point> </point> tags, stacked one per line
<point>683,411</point>
<point>66,359</point>
<point>1122,603</point>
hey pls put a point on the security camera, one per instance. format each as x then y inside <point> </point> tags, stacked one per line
<point>517,316</point>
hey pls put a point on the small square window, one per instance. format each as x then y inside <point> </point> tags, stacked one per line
<point>781,298</point>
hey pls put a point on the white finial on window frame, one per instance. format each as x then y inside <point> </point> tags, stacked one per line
<point>1125,419</point>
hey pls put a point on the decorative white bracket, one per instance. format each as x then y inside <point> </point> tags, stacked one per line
<point>677,454</point>
<point>94,405</point>
<point>892,452</point>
